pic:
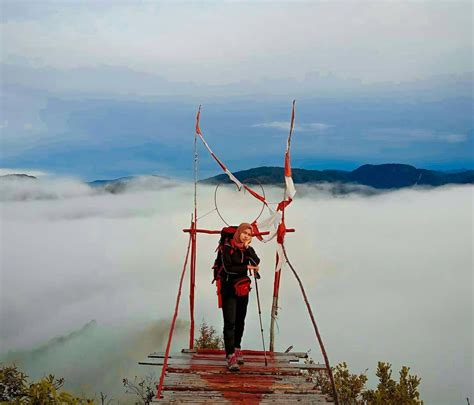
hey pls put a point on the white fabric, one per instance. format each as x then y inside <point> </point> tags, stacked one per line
<point>290,190</point>
<point>227,171</point>
<point>281,255</point>
<point>234,179</point>
<point>269,224</point>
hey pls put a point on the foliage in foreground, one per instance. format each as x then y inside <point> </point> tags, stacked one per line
<point>15,389</point>
<point>208,338</point>
<point>143,389</point>
<point>351,387</point>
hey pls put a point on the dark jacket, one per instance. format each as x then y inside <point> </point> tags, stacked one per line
<point>235,262</point>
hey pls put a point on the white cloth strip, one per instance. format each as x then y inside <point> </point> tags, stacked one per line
<point>227,171</point>
<point>290,190</point>
<point>279,264</point>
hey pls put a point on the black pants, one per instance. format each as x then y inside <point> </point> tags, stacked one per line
<point>234,310</point>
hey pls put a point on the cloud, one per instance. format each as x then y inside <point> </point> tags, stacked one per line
<point>285,126</point>
<point>376,267</point>
<point>413,134</point>
<point>24,189</point>
<point>453,138</point>
<point>318,126</point>
<point>281,125</point>
<point>119,347</point>
<point>59,188</point>
<point>161,38</point>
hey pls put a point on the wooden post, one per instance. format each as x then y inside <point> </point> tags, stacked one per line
<point>274,313</point>
<point>192,281</point>
<point>192,273</point>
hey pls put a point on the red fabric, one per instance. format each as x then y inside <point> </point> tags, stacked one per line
<point>255,194</point>
<point>219,162</point>
<point>255,231</point>
<point>228,229</point>
<point>283,204</point>
<point>281,232</point>
<point>242,287</point>
<point>236,245</point>
<point>287,165</point>
<point>198,129</point>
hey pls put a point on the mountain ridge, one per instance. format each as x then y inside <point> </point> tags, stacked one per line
<point>383,176</point>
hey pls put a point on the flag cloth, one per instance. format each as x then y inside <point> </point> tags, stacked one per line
<point>224,168</point>
<point>274,223</point>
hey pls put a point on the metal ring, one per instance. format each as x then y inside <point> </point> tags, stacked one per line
<point>217,208</point>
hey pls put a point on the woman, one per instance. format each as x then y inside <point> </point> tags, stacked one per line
<point>238,259</point>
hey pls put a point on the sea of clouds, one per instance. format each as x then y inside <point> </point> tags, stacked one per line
<point>389,276</point>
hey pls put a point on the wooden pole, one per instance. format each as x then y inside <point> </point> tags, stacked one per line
<point>274,313</point>
<point>192,273</point>
<point>218,231</point>
<point>173,322</point>
<point>192,285</point>
<point>316,330</point>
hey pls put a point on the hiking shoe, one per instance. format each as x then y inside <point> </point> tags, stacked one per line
<point>238,354</point>
<point>232,362</point>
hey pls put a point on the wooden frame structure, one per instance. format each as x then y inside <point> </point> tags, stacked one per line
<point>193,359</point>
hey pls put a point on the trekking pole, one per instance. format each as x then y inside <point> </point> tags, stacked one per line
<point>260,317</point>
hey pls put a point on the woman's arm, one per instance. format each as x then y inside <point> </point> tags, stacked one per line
<point>230,265</point>
<point>254,259</point>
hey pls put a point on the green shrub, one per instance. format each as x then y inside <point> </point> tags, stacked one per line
<point>351,387</point>
<point>15,389</point>
<point>208,338</point>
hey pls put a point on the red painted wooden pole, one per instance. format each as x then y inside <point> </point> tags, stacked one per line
<point>192,281</point>
<point>173,322</point>
<point>274,313</point>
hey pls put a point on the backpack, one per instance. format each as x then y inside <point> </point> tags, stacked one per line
<point>227,234</point>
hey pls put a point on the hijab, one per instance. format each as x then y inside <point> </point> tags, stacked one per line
<point>236,240</point>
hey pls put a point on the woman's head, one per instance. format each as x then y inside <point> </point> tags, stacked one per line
<point>243,234</point>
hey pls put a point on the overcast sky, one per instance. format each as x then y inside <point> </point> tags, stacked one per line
<point>98,89</point>
<point>218,43</point>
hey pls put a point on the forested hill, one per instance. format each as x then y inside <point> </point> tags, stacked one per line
<point>385,176</point>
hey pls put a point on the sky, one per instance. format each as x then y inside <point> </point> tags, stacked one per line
<point>389,277</point>
<point>108,89</point>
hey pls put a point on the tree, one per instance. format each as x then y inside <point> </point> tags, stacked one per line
<point>144,389</point>
<point>15,388</point>
<point>390,392</point>
<point>208,338</point>
<point>351,387</point>
<point>13,384</point>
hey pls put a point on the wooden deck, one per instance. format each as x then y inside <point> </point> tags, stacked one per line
<point>201,377</point>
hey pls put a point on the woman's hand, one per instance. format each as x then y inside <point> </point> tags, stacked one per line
<point>254,268</point>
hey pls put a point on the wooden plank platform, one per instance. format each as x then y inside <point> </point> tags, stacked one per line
<point>202,377</point>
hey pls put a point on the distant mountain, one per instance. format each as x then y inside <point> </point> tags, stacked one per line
<point>385,176</point>
<point>15,176</point>
<point>122,184</point>
<point>113,185</point>
<point>50,345</point>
